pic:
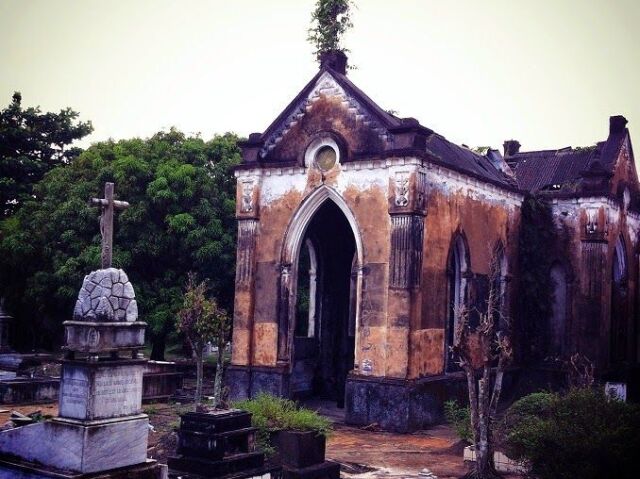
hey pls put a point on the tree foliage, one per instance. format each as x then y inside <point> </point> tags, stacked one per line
<point>32,143</point>
<point>580,434</point>
<point>181,219</point>
<point>329,22</point>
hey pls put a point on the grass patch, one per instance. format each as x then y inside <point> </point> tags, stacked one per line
<point>270,413</point>
<point>460,419</point>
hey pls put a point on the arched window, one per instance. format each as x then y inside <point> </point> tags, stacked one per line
<point>619,302</point>
<point>457,275</point>
<point>307,288</point>
<point>499,285</point>
<point>619,261</point>
<point>558,320</point>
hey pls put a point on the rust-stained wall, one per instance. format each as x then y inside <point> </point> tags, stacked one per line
<point>483,224</point>
<point>404,214</point>
<point>590,228</point>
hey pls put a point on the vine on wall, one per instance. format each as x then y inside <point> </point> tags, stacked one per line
<point>537,242</point>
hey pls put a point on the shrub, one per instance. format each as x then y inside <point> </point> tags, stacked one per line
<point>460,419</point>
<point>581,434</point>
<point>270,414</point>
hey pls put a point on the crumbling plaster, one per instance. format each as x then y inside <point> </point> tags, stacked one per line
<point>385,347</point>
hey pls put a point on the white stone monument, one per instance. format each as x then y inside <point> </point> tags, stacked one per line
<point>100,426</point>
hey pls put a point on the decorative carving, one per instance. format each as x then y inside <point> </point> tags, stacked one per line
<point>246,246</point>
<point>284,334</point>
<point>402,188</point>
<point>421,190</point>
<point>285,272</point>
<point>596,226</point>
<point>407,234</point>
<point>326,85</point>
<point>247,196</point>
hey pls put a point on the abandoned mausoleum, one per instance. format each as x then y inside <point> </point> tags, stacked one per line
<point>360,234</point>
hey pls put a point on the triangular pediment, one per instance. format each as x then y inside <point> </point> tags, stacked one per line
<point>328,84</point>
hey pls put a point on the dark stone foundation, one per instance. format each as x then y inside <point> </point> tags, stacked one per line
<point>248,381</point>
<point>397,405</point>
<point>401,405</point>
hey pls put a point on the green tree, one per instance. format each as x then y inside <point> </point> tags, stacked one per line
<point>182,195</point>
<point>201,320</point>
<point>329,21</point>
<point>32,143</point>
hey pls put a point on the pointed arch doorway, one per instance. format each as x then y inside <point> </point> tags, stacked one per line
<point>324,285</point>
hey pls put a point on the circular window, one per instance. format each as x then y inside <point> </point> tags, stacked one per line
<point>326,157</point>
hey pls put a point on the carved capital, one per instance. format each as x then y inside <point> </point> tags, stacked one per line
<point>407,192</point>
<point>247,198</point>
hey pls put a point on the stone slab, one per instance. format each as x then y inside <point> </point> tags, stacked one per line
<point>10,469</point>
<point>99,337</point>
<point>501,461</point>
<point>215,422</point>
<point>215,446</point>
<point>91,391</point>
<point>17,361</point>
<point>326,470</point>
<point>7,375</point>
<point>83,447</point>
<point>264,472</point>
<point>29,391</point>
<point>229,465</point>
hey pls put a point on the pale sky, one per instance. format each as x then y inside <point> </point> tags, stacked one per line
<point>546,72</point>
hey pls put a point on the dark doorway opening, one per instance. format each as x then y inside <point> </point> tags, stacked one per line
<point>324,332</point>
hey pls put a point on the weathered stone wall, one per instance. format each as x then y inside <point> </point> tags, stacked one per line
<point>591,227</point>
<point>587,230</point>
<point>400,330</point>
<point>364,193</point>
<point>404,212</point>
<point>484,215</point>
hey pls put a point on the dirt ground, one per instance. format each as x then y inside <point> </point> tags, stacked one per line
<point>363,454</point>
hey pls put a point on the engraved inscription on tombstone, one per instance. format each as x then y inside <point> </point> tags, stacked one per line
<point>117,392</point>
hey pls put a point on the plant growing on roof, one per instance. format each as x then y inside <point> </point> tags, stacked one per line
<point>201,320</point>
<point>329,21</point>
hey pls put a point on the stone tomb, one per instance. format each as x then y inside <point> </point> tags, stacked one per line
<point>100,425</point>
<point>219,444</point>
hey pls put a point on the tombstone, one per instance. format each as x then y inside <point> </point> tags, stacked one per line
<point>219,444</point>
<point>100,426</point>
<point>616,391</point>
<point>17,385</point>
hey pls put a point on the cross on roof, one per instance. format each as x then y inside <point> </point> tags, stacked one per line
<point>108,205</point>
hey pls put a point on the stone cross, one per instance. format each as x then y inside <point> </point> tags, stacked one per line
<point>108,205</point>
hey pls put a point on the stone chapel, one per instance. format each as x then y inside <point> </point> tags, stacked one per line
<point>360,232</point>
